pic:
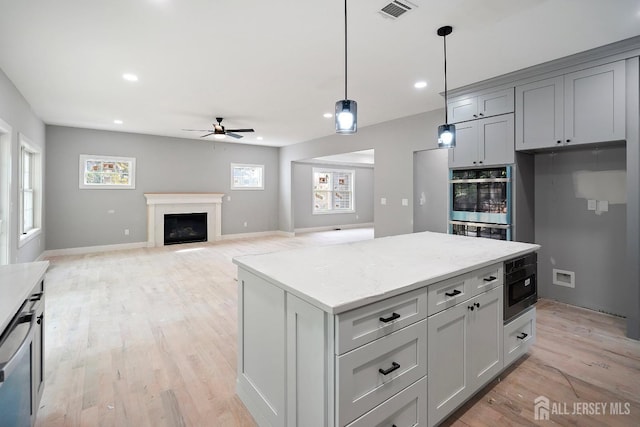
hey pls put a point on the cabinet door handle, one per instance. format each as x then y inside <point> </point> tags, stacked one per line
<point>475,115</point>
<point>559,141</point>
<point>568,140</point>
<point>481,114</point>
<point>393,367</point>
<point>394,316</point>
<point>480,161</point>
<point>474,162</point>
<point>489,279</point>
<point>477,304</point>
<point>470,307</point>
<point>453,294</point>
<point>522,336</point>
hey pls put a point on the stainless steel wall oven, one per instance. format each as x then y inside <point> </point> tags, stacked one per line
<point>480,202</point>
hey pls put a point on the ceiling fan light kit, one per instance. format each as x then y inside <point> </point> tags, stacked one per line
<point>219,131</point>
<point>346,116</point>
<point>446,132</point>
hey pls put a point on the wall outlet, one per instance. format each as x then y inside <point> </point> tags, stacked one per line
<point>603,206</point>
<point>228,198</point>
<point>111,211</point>
<point>126,231</point>
<point>245,223</point>
<point>405,202</point>
<point>383,200</point>
<point>591,205</point>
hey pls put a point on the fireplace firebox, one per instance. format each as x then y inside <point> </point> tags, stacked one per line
<point>185,228</point>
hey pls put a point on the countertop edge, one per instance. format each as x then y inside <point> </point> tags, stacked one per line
<point>366,300</point>
<point>36,269</point>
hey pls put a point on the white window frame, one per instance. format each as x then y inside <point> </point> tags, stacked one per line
<point>247,186</point>
<point>332,209</point>
<point>36,190</point>
<point>84,172</point>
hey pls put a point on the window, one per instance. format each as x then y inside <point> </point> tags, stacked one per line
<point>333,191</point>
<point>30,176</point>
<point>106,172</point>
<point>247,177</point>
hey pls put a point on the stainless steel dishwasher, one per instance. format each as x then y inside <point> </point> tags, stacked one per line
<point>18,375</point>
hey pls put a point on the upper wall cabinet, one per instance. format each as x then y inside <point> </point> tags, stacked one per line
<point>484,142</point>
<point>583,107</point>
<point>473,107</point>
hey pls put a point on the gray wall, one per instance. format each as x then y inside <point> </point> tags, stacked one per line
<point>575,239</point>
<point>303,197</point>
<point>394,143</point>
<point>431,190</point>
<point>80,218</point>
<point>17,113</point>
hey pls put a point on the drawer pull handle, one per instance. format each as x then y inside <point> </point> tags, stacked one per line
<point>393,367</point>
<point>453,294</point>
<point>470,307</point>
<point>477,304</point>
<point>490,279</point>
<point>522,336</point>
<point>394,316</point>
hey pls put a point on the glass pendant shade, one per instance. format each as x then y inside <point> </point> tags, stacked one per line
<point>346,116</point>
<point>446,136</point>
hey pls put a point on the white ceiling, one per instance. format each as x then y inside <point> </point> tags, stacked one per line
<point>276,65</point>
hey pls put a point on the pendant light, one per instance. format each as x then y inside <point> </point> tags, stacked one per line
<point>346,109</point>
<point>446,132</point>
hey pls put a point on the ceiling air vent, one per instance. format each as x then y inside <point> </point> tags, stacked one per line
<point>396,8</point>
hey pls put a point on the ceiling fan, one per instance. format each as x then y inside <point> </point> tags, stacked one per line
<point>219,131</point>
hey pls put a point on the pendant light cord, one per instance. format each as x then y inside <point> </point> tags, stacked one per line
<point>446,104</point>
<point>345,49</point>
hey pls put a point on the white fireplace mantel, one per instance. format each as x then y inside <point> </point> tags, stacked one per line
<point>161,204</point>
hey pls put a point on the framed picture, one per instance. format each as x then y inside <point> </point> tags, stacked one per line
<point>247,177</point>
<point>107,172</point>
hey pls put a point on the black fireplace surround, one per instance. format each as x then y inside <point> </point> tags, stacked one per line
<point>185,228</point>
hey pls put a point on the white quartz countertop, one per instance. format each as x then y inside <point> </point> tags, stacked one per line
<point>338,278</point>
<point>16,283</point>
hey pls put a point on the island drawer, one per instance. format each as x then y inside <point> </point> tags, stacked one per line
<point>519,335</point>
<point>365,324</point>
<point>449,292</point>
<point>487,278</point>
<point>407,408</point>
<point>371,374</point>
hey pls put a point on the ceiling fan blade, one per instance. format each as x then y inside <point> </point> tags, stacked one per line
<point>233,135</point>
<point>240,130</point>
<point>207,134</point>
<point>199,130</point>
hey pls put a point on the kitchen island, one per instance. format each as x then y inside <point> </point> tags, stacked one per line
<point>400,329</point>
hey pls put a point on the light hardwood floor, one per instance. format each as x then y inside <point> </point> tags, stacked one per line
<point>147,337</point>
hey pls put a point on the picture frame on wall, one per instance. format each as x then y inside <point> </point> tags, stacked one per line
<point>107,172</point>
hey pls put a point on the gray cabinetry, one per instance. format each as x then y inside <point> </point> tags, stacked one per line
<point>484,142</point>
<point>465,351</point>
<point>471,107</point>
<point>583,107</point>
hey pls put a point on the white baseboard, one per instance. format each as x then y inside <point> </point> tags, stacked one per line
<point>333,227</point>
<point>255,234</point>
<point>92,249</point>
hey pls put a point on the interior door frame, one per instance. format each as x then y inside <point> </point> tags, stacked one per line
<point>6,134</point>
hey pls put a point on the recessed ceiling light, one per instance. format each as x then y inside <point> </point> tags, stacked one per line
<point>327,115</point>
<point>130,77</point>
<point>420,85</point>
<point>118,121</point>
<point>259,138</point>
